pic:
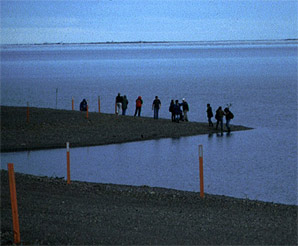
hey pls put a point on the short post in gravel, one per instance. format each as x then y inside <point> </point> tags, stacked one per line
<point>98,104</point>
<point>27,112</point>
<point>87,111</point>
<point>68,162</point>
<point>14,204</point>
<point>201,171</point>
<point>72,104</point>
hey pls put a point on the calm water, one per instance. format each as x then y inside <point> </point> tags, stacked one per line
<point>259,80</point>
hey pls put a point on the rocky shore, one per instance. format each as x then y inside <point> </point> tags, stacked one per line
<point>50,128</point>
<point>52,212</point>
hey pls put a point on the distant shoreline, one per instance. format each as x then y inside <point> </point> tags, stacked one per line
<point>217,42</point>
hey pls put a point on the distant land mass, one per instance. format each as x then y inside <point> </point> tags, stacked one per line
<point>217,42</point>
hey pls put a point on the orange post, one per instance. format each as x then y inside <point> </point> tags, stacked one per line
<point>72,103</point>
<point>98,104</point>
<point>68,162</point>
<point>201,171</point>
<point>27,112</point>
<point>14,204</point>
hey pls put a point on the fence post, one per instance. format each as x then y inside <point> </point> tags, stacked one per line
<point>68,162</point>
<point>14,204</point>
<point>201,171</point>
<point>72,103</point>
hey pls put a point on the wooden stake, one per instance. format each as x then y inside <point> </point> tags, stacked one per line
<point>72,103</point>
<point>201,171</point>
<point>14,204</point>
<point>68,162</point>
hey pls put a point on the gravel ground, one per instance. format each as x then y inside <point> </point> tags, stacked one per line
<point>50,128</point>
<point>52,212</point>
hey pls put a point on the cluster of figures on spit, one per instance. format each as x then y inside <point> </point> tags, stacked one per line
<point>178,110</point>
<point>219,115</point>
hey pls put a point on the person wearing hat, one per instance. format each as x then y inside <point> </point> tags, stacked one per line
<point>185,109</point>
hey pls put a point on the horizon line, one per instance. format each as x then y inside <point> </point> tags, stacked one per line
<point>152,42</point>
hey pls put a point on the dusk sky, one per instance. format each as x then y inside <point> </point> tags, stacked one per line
<point>75,21</point>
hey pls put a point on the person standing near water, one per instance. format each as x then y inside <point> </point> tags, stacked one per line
<point>209,114</point>
<point>171,110</point>
<point>185,109</point>
<point>156,106</point>
<point>118,103</point>
<point>139,103</point>
<point>124,104</point>
<point>219,117</point>
<point>229,116</point>
<point>83,105</point>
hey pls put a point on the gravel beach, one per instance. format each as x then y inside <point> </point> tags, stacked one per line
<point>52,212</point>
<point>50,128</point>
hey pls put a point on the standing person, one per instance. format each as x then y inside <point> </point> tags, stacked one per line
<point>156,106</point>
<point>118,103</point>
<point>209,114</point>
<point>139,103</point>
<point>219,117</point>
<point>171,110</point>
<point>185,109</point>
<point>177,111</point>
<point>83,105</point>
<point>124,104</point>
<point>229,116</point>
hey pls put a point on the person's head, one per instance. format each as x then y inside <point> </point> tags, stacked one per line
<point>118,94</point>
<point>124,96</point>
<point>208,105</point>
<point>156,97</point>
<point>219,108</point>
<point>176,101</point>
<point>139,97</point>
<point>226,110</point>
<point>183,99</point>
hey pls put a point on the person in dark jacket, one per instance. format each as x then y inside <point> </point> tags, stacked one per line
<point>177,111</point>
<point>124,104</point>
<point>185,109</point>
<point>209,114</point>
<point>156,106</point>
<point>219,117</point>
<point>229,115</point>
<point>139,103</point>
<point>118,103</point>
<point>83,105</point>
<point>171,109</point>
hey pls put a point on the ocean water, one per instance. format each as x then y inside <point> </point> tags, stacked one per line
<point>259,80</point>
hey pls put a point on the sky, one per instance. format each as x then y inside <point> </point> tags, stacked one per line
<point>77,21</point>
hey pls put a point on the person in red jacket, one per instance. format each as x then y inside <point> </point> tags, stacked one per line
<point>139,103</point>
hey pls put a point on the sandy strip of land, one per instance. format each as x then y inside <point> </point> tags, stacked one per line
<point>50,128</point>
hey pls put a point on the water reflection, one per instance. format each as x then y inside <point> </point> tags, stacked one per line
<point>240,164</point>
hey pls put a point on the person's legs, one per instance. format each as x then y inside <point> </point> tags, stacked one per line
<point>228,125</point>
<point>139,111</point>
<point>185,115</point>
<point>123,111</point>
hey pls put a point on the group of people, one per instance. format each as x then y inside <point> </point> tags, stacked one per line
<point>177,112</point>
<point>219,117</point>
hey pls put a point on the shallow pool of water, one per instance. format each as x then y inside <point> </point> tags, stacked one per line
<point>234,165</point>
